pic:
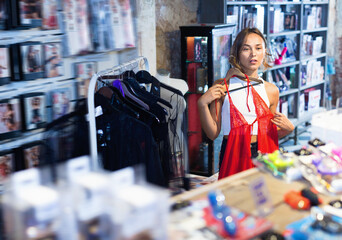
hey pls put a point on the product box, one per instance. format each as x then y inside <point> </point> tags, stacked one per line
<point>301,103</point>
<point>314,99</point>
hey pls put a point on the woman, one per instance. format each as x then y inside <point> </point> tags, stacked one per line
<point>247,116</point>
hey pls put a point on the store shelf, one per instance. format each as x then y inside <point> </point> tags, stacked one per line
<point>311,85</point>
<point>32,33</point>
<point>235,3</point>
<point>284,33</point>
<point>288,92</point>
<point>284,3</point>
<point>25,86</point>
<point>23,138</point>
<point>315,2</point>
<point>289,64</point>
<point>311,57</point>
<point>322,29</point>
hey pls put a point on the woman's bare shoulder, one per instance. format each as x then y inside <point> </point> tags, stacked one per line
<point>271,89</point>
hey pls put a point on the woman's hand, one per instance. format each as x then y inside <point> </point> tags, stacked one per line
<point>283,123</point>
<point>210,117</point>
<point>214,92</point>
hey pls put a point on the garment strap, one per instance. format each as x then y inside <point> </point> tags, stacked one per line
<point>248,83</point>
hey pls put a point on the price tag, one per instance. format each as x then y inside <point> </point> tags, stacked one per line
<point>261,196</point>
<point>25,179</point>
<point>77,167</point>
<point>122,178</point>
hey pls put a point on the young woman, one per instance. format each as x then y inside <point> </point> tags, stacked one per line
<point>248,115</point>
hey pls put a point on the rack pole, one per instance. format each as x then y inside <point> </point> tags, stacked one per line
<point>91,105</point>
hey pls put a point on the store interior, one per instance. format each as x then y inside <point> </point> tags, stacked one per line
<point>100,131</point>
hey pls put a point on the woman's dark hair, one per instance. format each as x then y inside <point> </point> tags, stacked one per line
<point>238,43</point>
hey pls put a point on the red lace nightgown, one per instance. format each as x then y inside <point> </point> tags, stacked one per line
<point>237,156</point>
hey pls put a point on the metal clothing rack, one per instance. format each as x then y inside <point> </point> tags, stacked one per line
<point>136,63</point>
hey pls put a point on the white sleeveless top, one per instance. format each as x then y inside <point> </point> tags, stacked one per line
<point>239,100</point>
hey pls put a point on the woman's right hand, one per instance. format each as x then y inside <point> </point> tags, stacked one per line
<point>214,92</point>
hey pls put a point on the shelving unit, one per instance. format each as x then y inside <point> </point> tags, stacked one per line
<point>204,49</point>
<point>217,11</point>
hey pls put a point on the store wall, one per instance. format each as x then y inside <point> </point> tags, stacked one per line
<point>169,16</point>
<point>146,31</point>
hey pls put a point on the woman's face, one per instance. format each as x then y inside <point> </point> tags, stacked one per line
<point>252,54</point>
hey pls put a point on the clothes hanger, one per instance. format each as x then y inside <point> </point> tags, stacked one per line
<point>144,95</point>
<point>143,114</point>
<point>237,73</point>
<point>145,77</point>
<point>112,94</point>
<point>128,94</point>
<point>234,72</point>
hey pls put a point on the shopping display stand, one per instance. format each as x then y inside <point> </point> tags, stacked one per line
<point>136,63</point>
<point>236,189</point>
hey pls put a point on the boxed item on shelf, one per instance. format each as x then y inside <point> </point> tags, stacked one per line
<point>314,99</point>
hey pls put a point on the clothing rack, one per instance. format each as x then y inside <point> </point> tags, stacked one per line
<point>136,63</point>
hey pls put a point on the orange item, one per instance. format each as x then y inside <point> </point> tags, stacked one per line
<point>190,47</point>
<point>296,200</point>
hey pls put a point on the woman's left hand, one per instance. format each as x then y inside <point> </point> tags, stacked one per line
<point>282,122</point>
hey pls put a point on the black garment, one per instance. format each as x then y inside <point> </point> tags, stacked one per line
<point>125,141</point>
<point>66,137</point>
<point>254,150</point>
<point>159,129</point>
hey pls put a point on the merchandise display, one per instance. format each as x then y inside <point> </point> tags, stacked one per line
<point>50,14</point>
<point>10,118</point>
<point>5,65</point>
<point>83,73</point>
<point>53,61</point>
<point>73,205</point>
<point>33,107</point>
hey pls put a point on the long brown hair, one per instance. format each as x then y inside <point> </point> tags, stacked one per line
<point>238,43</point>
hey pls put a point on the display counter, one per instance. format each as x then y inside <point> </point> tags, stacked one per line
<point>237,192</point>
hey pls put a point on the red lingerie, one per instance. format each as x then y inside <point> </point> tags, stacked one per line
<point>237,156</point>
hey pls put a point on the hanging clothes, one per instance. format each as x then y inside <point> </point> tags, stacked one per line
<point>125,141</point>
<point>237,155</point>
<point>176,130</point>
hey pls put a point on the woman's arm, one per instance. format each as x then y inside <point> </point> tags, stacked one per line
<point>284,125</point>
<point>211,117</point>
